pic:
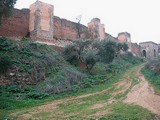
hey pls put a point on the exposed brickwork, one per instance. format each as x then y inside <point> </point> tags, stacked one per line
<point>125,37</point>
<point>17,25</point>
<point>96,29</point>
<point>41,22</point>
<point>136,49</point>
<point>65,29</point>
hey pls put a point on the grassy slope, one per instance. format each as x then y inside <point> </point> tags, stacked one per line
<point>93,103</point>
<point>36,62</point>
<point>28,57</point>
<point>153,79</point>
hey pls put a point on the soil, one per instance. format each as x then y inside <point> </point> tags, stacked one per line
<point>143,94</point>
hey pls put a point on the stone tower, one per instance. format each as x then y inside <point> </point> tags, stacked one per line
<point>125,37</point>
<point>41,22</point>
<point>96,29</point>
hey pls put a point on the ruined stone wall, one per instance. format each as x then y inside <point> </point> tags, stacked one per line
<point>41,22</point>
<point>65,29</point>
<point>125,37</point>
<point>122,38</point>
<point>16,26</point>
<point>136,49</point>
<point>96,29</point>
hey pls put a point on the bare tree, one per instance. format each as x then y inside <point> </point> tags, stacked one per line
<point>78,25</point>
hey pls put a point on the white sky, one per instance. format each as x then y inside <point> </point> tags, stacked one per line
<point>141,18</point>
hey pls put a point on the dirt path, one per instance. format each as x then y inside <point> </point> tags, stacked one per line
<point>143,94</point>
<point>140,94</point>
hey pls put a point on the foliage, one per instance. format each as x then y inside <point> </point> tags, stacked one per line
<point>70,54</point>
<point>6,7</point>
<point>32,61</point>
<point>154,66</point>
<point>90,59</point>
<point>108,50</point>
<point>16,92</point>
<point>131,59</point>
<point>22,92</point>
<point>38,64</point>
<point>5,63</point>
<point>123,111</point>
<point>152,78</point>
<point>80,51</point>
<point>62,82</point>
<point>152,73</point>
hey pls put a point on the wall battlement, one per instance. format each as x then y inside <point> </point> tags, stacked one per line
<point>39,24</point>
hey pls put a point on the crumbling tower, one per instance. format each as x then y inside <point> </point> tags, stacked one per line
<point>96,29</point>
<point>41,22</point>
<point>125,37</point>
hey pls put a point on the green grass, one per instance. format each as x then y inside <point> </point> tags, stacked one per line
<point>78,108</point>
<point>153,79</point>
<point>46,67</point>
<point>29,103</point>
<point>121,111</point>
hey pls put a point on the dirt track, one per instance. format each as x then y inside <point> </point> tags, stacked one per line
<point>143,94</point>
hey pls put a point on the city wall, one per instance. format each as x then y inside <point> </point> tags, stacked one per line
<point>17,26</point>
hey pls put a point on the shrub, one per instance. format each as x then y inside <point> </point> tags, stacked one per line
<point>5,63</point>
<point>154,66</point>
<point>36,95</point>
<point>70,53</point>
<point>62,81</point>
<point>90,59</point>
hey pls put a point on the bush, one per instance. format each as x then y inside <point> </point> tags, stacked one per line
<point>90,59</point>
<point>5,105</point>
<point>71,55</point>
<point>36,95</point>
<point>154,66</point>
<point>15,92</point>
<point>131,59</point>
<point>62,82</point>
<point>5,63</point>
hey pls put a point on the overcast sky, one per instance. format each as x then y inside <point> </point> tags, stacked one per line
<point>141,18</point>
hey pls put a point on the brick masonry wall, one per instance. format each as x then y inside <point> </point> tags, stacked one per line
<point>135,48</point>
<point>17,25</point>
<point>65,29</point>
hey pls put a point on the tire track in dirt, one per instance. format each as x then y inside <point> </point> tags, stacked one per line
<point>143,94</point>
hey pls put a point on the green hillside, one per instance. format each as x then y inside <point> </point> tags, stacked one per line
<point>33,73</point>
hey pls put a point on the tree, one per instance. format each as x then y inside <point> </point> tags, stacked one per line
<point>80,51</point>
<point>71,55</point>
<point>78,25</point>
<point>106,50</point>
<point>121,47</point>
<point>6,7</point>
<point>125,47</point>
<point>90,59</point>
<point>81,45</point>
